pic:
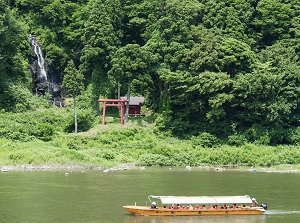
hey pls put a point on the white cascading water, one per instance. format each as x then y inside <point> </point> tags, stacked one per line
<point>40,59</point>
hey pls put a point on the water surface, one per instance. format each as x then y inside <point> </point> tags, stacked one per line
<point>94,196</point>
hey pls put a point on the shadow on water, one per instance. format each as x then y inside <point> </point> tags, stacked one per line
<point>194,219</point>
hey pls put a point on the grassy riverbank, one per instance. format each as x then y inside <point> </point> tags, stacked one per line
<point>36,142</point>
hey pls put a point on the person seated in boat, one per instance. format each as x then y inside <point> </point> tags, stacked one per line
<point>203,206</point>
<point>191,207</point>
<point>234,206</point>
<point>178,206</point>
<point>254,203</point>
<point>153,205</point>
<point>183,207</point>
<point>225,206</point>
<point>197,206</point>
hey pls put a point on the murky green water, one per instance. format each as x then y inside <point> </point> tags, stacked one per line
<point>94,196</point>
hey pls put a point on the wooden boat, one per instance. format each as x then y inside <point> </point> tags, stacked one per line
<point>198,205</point>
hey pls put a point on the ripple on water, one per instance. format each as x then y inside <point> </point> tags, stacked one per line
<point>282,212</point>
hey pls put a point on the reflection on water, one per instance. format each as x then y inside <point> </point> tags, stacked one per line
<point>193,219</point>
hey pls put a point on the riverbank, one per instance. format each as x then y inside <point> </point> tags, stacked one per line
<point>28,167</point>
<point>137,142</point>
<point>122,167</point>
<point>108,149</point>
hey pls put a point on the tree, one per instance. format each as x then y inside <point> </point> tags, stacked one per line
<point>203,54</point>
<point>266,96</point>
<point>73,82</point>
<point>273,20</point>
<point>199,101</point>
<point>13,62</point>
<point>102,35</point>
<point>235,56</point>
<point>229,17</point>
<point>128,63</point>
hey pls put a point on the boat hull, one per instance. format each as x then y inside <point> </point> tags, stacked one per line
<point>143,210</point>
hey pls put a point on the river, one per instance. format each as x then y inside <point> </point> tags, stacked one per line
<point>95,196</point>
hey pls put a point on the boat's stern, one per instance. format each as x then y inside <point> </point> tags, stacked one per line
<point>264,206</point>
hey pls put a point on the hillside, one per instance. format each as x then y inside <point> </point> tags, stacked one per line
<point>214,74</point>
<point>31,141</point>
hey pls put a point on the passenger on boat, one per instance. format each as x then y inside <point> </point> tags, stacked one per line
<point>197,206</point>
<point>191,207</point>
<point>254,203</point>
<point>234,206</point>
<point>203,206</point>
<point>225,206</point>
<point>153,205</point>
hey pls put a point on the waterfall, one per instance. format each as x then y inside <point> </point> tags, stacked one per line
<point>45,79</point>
<point>42,75</point>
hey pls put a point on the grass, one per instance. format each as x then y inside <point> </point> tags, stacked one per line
<point>106,146</point>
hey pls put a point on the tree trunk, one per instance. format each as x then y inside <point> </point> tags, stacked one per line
<point>75,115</point>
<point>119,86</point>
<point>127,104</point>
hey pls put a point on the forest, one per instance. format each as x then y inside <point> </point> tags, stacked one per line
<point>211,71</point>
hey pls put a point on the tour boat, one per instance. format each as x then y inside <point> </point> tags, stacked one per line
<point>198,206</point>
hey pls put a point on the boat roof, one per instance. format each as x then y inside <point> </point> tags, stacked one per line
<point>204,199</point>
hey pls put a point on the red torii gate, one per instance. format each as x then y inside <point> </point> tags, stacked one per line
<point>113,103</point>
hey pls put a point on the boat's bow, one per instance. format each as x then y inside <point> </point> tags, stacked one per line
<point>137,210</point>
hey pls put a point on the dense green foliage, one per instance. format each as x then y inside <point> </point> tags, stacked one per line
<point>14,47</point>
<point>214,72</point>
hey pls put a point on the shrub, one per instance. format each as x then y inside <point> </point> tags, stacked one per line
<point>184,158</point>
<point>278,135</point>
<point>43,131</point>
<point>206,140</point>
<point>237,140</point>
<point>16,133</point>
<point>17,98</point>
<point>294,136</point>
<point>258,134</point>
<point>154,160</point>
<point>108,155</point>
<point>73,145</point>
<point>85,120</point>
